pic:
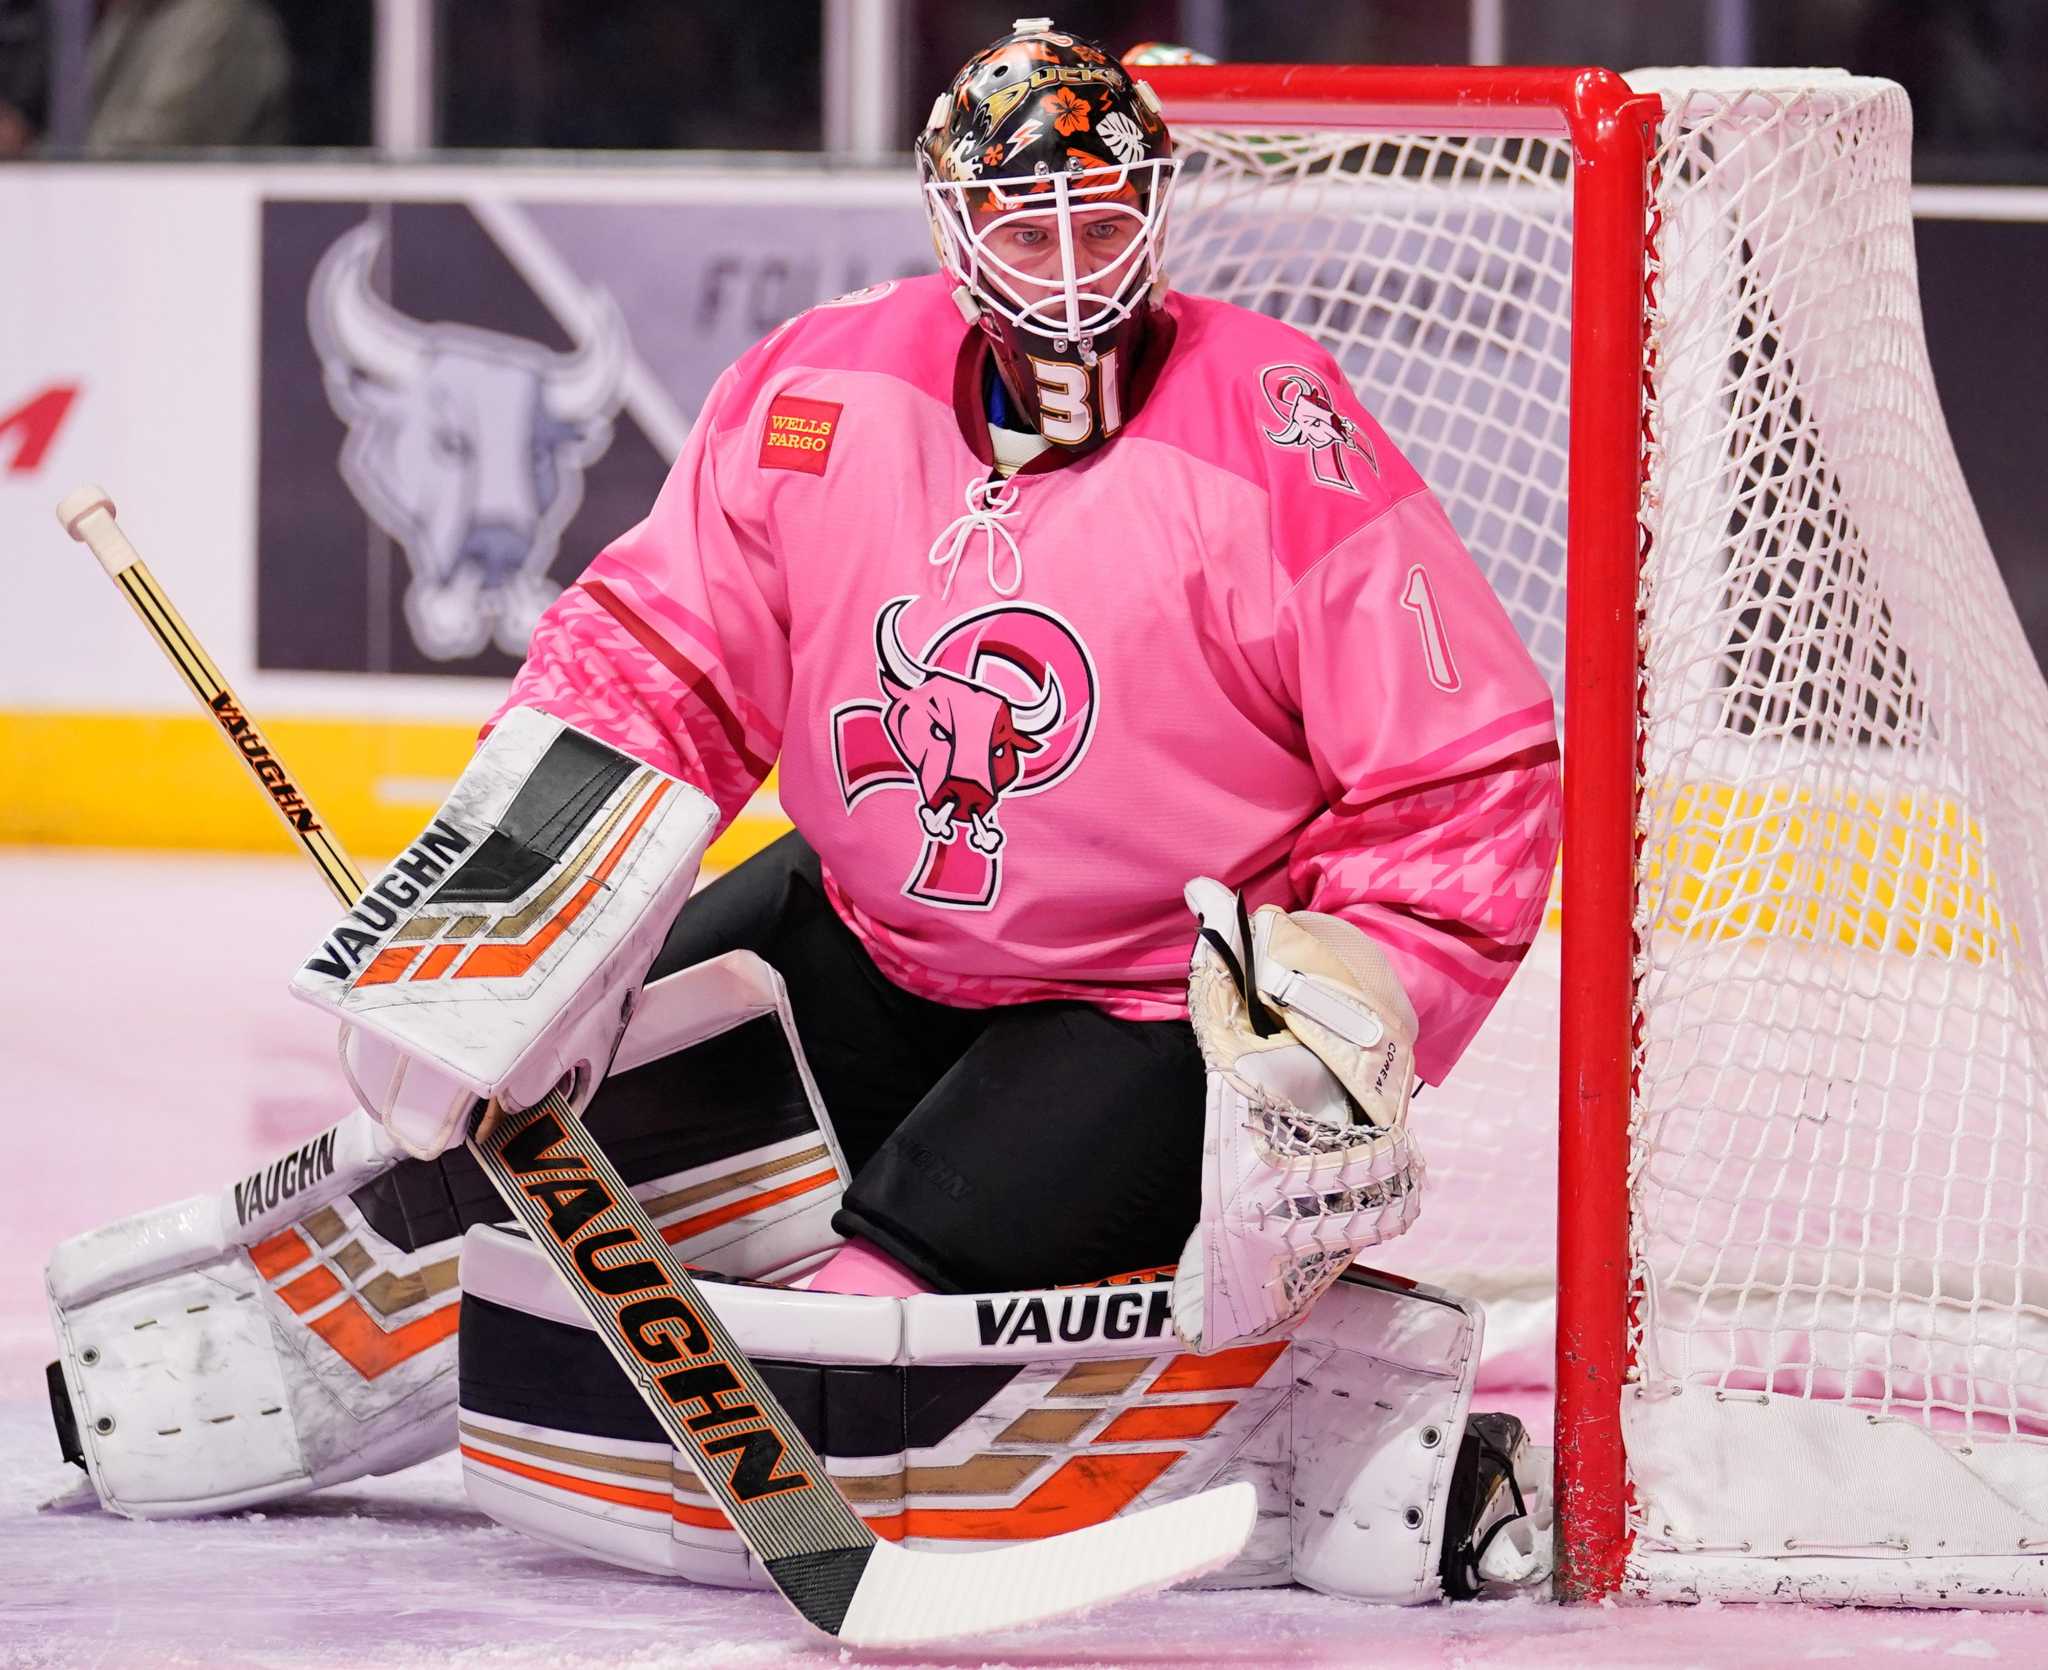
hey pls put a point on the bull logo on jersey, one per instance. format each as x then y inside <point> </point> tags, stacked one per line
<point>999,704</point>
<point>1309,418</point>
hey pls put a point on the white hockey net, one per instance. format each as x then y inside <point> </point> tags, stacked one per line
<point>1438,271</point>
<point>1839,1154</point>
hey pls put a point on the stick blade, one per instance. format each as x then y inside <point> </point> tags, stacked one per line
<point>910,1596</point>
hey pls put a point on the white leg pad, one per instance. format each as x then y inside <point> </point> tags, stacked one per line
<point>188,1348</point>
<point>248,1346</point>
<point>1387,1384</point>
<point>991,1418</point>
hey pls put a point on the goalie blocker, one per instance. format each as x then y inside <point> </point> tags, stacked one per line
<point>953,1421</point>
<point>500,955</point>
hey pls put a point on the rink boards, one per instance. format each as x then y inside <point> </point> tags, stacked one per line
<point>183,351</point>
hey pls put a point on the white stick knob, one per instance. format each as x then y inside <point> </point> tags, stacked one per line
<point>88,514</point>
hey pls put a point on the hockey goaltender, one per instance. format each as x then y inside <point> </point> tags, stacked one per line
<point>1053,593</point>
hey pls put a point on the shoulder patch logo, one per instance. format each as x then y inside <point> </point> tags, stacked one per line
<point>1309,418</point>
<point>861,297</point>
<point>799,432</point>
<point>1000,704</point>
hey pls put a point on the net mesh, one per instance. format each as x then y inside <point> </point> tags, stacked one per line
<point>1438,272</point>
<point>1839,1151</point>
<point>1839,1139</point>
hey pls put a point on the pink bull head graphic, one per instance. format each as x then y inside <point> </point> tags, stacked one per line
<point>998,705</point>
<point>1309,418</point>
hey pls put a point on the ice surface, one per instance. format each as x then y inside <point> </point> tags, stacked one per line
<point>150,1051</point>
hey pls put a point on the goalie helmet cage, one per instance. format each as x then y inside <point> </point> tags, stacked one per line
<point>1656,344</point>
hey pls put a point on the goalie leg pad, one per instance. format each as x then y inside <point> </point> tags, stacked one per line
<point>298,1329</point>
<point>947,1420</point>
<point>189,1358</point>
<point>1388,1372</point>
<point>951,1418</point>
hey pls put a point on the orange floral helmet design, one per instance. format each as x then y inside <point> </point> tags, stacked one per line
<point>1046,169</point>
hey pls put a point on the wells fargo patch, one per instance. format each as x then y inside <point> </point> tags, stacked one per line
<point>799,434</point>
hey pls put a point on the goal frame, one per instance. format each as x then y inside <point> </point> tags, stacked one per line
<point>1611,131</point>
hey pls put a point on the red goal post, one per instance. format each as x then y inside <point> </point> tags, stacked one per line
<point>1655,342</point>
<point>1608,129</point>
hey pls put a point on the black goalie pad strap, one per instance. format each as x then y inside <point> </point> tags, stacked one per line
<point>532,1369</point>
<point>736,1091</point>
<point>61,1412</point>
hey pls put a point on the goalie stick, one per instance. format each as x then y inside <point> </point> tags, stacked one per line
<point>709,1399</point>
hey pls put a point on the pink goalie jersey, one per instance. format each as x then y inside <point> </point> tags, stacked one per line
<point>1015,717</point>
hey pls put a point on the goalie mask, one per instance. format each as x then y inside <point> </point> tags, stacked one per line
<point>1046,169</point>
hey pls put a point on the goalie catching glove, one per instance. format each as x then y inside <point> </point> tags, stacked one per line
<point>1306,1156</point>
<point>501,953</point>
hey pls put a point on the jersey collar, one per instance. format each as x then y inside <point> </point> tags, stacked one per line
<point>971,413</point>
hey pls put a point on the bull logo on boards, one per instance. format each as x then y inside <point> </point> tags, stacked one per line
<point>1309,418</point>
<point>466,446</point>
<point>999,704</point>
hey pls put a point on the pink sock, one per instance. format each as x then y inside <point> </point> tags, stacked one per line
<point>861,1267</point>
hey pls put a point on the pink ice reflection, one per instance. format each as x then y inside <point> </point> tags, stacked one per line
<point>152,1052</point>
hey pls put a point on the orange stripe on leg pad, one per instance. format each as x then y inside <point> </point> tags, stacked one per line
<point>1246,1366</point>
<point>310,1289</point>
<point>280,1253</point>
<point>653,1501</point>
<point>368,1349</point>
<point>685,1227</point>
<point>1085,1491</point>
<point>1163,1420</point>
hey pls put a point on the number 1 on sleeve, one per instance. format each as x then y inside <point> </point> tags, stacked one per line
<point>1420,601</point>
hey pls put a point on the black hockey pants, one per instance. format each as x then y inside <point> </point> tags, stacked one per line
<point>1025,1146</point>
